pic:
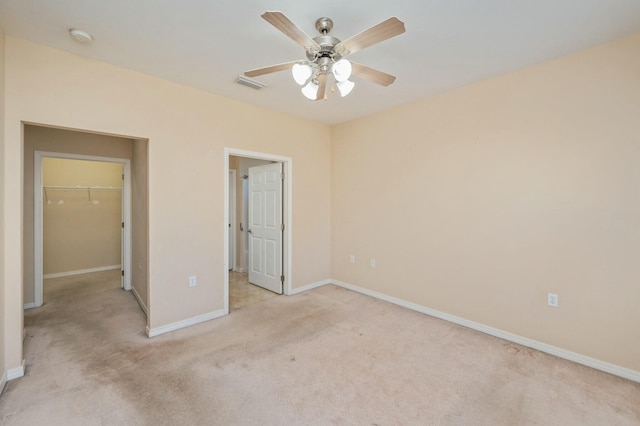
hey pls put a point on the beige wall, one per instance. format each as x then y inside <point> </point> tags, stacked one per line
<point>480,201</point>
<point>187,130</point>
<point>39,138</point>
<point>139,219</point>
<point>4,297</point>
<point>81,228</point>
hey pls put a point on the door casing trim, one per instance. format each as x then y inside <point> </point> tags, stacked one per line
<point>232,221</point>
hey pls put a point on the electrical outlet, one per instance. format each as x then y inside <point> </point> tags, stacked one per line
<point>372,263</point>
<point>552,299</point>
<point>352,259</point>
<point>192,281</point>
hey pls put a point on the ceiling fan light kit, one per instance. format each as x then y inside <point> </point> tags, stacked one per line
<point>342,70</point>
<point>310,91</point>
<point>301,73</point>
<point>345,87</point>
<point>325,55</point>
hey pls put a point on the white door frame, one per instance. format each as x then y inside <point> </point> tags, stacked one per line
<point>37,215</point>
<point>232,219</point>
<point>287,215</point>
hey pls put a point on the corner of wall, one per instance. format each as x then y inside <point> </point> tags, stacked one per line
<point>3,344</point>
<point>140,224</point>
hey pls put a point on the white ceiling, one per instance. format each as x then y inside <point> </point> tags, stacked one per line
<point>207,43</point>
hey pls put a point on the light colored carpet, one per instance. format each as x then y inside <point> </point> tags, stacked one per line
<point>326,356</point>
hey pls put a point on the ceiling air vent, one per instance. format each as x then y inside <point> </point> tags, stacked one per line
<point>245,81</point>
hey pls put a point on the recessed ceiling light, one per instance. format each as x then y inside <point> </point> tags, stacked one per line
<point>81,36</point>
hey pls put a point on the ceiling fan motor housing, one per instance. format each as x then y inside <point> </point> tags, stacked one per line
<point>326,42</point>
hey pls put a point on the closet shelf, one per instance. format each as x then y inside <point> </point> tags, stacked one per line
<point>83,188</point>
<point>47,188</point>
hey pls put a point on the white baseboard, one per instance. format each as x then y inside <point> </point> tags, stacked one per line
<point>153,332</point>
<point>3,382</point>
<point>616,370</point>
<point>30,305</point>
<point>81,271</point>
<point>16,373</point>
<point>140,301</point>
<point>309,287</point>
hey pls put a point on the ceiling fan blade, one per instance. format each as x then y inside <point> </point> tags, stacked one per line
<point>378,77</point>
<point>381,32</point>
<point>291,30</point>
<point>322,86</point>
<point>269,70</point>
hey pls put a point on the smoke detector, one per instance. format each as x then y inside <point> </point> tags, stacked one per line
<point>81,36</point>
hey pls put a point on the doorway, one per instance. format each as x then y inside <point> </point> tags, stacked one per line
<point>75,144</point>
<point>96,191</point>
<point>278,260</point>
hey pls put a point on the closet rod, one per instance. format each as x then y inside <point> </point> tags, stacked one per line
<point>84,188</point>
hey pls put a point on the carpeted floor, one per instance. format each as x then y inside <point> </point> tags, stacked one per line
<point>326,356</point>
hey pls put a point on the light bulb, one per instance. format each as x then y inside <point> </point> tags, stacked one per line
<point>310,91</point>
<point>341,70</point>
<point>301,73</point>
<point>345,87</point>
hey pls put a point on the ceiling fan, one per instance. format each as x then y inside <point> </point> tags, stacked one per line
<point>325,55</point>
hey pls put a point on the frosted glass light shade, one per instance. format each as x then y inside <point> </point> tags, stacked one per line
<point>301,73</point>
<point>341,70</point>
<point>345,87</point>
<point>310,91</point>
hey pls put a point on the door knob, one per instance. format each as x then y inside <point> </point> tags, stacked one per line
<point>249,231</point>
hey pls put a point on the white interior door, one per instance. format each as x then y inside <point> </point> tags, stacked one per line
<point>265,226</point>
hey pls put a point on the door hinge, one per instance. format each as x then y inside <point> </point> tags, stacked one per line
<point>281,176</point>
<point>123,176</point>
<point>282,279</point>
<point>122,225</point>
<point>282,227</point>
<point>122,272</point>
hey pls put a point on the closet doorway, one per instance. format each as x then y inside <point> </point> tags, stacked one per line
<point>131,156</point>
<point>81,206</point>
